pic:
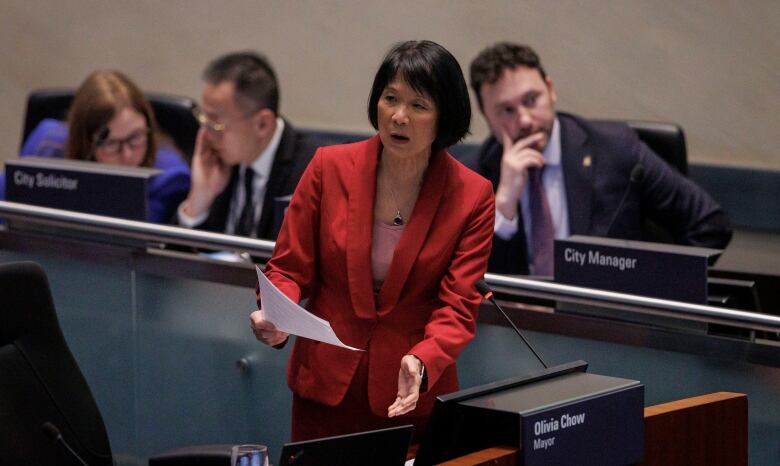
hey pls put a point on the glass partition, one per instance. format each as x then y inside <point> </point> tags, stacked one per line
<point>200,366</point>
<point>163,339</point>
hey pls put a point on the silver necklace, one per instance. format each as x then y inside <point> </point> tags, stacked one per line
<point>398,220</point>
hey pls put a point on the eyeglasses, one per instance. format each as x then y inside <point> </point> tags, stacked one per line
<point>136,140</point>
<point>204,120</point>
<point>213,126</point>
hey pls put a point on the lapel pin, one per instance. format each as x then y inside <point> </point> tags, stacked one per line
<point>587,161</point>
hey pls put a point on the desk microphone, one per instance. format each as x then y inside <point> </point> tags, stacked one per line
<point>54,434</point>
<point>487,293</point>
<point>637,174</point>
<point>102,135</point>
<point>99,139</point>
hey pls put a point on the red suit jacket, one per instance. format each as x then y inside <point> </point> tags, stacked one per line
<point>427,305</point>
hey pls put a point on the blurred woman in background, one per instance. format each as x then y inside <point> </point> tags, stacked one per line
<point>111,122</point>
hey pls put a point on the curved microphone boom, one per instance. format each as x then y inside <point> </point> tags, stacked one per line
<point>487,293</point>
<point>637,174</point>
<point>54,434</point>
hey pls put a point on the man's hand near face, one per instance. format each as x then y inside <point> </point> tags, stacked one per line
<point>518,157</point>
<point>210,177</point>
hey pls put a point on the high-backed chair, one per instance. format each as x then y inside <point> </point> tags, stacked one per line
<point>40,381</point>
<point>43,392</point>
<point>665,139</point>
<point>173,114</point>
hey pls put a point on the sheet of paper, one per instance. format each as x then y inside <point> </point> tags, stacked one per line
<point>289,317</point>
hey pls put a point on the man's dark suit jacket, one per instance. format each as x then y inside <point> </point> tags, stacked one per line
<point>292,157</point>
<point>597,160</point>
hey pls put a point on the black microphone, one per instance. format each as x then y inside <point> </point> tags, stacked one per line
<point>100,138</point>
<point>487,293</point>
<point>637,174</point>
<point>54,434</point>
<point>102,135</point>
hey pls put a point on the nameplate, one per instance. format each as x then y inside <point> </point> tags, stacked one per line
<point>281,203</point>
<point>656,270</point>
<point>577,418</point>
<point>80,186</point>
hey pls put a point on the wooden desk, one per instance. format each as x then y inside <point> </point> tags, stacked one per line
<point>708,430</point>
<point>704,430</point>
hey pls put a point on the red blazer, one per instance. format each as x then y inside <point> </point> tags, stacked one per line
<point>427,305</point>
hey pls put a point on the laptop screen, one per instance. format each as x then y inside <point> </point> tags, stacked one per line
<point>384,447</point>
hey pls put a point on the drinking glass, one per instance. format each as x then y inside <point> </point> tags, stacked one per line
<point>249,455</point>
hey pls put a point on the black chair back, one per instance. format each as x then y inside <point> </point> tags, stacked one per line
<point>173,114</point>
<point>40,381</point>
<point>667,140</point>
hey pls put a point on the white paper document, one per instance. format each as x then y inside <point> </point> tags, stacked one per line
<point>289,317</point>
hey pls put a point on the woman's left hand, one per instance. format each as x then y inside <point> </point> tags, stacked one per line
<point>409,381</point>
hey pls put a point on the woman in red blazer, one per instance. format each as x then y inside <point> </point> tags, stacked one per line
<point>386,238</point>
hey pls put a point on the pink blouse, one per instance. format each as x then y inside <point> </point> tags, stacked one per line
<point>383,244</point>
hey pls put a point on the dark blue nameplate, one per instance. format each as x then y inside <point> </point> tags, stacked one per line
<point>575,418</point>
<point>88,187</point>
<point>656,270</point>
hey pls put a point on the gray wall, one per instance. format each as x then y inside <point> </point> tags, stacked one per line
<point>712,66</point>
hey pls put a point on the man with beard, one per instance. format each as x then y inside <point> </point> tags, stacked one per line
<point>555,174</point>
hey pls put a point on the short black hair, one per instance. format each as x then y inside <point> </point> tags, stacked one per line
<point>428,68</point>
<point>493,60</point>
<point>253,76</point>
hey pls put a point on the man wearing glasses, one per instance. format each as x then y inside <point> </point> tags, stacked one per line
<point>247,159</point>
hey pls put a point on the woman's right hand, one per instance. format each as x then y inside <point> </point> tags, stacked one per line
<point>266,331</point>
